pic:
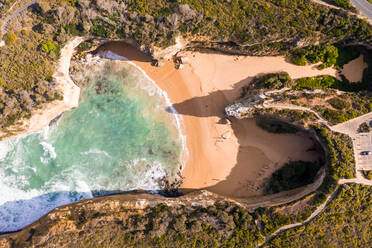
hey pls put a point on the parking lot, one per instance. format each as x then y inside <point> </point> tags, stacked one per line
<point>363,142</point>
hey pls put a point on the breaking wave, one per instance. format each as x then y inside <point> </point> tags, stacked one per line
<point>119,138</point>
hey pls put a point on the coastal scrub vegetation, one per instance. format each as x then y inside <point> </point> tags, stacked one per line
<point>341,162</point>
<point>26,78</point>
<point>355,99</point>
<point>327,55</point>
<point>364,128</point>
<point>222,224</point>
<point>346,107</point>
<point>275,126</point>
<point>217,225</point>
<point>292,175</point>
<point>367,174</point>
<point>341,224</point>
<point>239,26</point>
<point>327,82</point>
<point>340,165</point>
<point>296,117</point>
<point>10,39</point>
<point>271,81</point>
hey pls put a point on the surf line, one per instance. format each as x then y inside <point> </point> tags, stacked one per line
<point>179,120</point>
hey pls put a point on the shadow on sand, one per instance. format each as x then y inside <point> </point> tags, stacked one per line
<point>123,49</point>
<point>212,105</point>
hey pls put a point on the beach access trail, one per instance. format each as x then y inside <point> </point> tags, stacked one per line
<point>319,209</point>
<point>5,22</point>
<point>363,5</point>
<point>349,128</point>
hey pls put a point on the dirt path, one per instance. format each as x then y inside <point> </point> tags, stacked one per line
<point>6,21</point>
<point>326,4</point>
<point>362,5</point>
<point>319,210</point>
<point>343,128</point>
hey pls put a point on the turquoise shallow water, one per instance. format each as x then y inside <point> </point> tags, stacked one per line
<point>119,138</point>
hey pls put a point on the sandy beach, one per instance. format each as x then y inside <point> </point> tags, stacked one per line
<point>353,70</point>
<point>232,159</point>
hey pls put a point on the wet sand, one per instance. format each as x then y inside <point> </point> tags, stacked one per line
<point>235,159</point>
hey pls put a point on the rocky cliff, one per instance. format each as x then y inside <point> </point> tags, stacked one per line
<point>141,220</point>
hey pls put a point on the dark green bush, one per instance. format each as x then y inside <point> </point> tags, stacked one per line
<point>339,103</point>
<point>48,47</point>
<point>272,81</point>
<point>364,128</point>
<point>292,175</point>
<point>75,29</point>
<point>275,126</point>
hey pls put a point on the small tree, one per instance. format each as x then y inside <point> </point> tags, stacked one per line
<point>48,47</point>
<point>299,60</point>
<point>2,82</point>
<point>10,39</point>
<point>364,128</point>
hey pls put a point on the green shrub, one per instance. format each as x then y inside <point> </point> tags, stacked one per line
<point>101,28</point>
<point>299,60</point>
<point>85,46</point>
<point>334,116</point>
<point>48,47</point>
<point>10,39</point>
<point>272,81</point>
<point>275,126</point>
<point>364,128</point>
<point>367,174</point>
<point>326,82</point>
<point>2,82</point>
<point>341,162</point>
<point>75,29</point>
<point>321,82</point>
<point>345,222</point>
<point>328,55</point>
<point>292,175</point>
<point>338,103</point>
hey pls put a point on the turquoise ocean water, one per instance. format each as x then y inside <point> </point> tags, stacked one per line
<point>119,138</point>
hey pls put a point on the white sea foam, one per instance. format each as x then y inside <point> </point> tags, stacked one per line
<point>19,207</point>
<point>49,150</point>
<point>95,151</point>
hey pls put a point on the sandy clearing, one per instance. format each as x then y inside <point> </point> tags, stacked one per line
<point>353,71</point>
